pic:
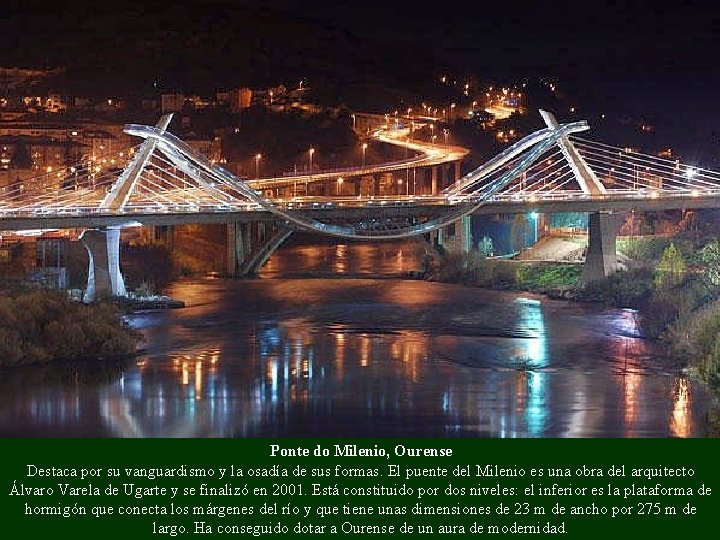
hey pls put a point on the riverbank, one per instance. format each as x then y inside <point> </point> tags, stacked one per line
<point>41,326</point>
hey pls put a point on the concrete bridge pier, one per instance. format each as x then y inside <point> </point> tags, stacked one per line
<point>601,257</point>
<point>463,234</point>
<point>250,245</point>
<point>104,276</point>
<point>434,180</point>
<point>456,237</point>
<point>235,248</point>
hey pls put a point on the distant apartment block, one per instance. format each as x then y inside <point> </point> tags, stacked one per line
<point>240,98</point>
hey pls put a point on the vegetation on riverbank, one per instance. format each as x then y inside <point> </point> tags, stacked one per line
<point>39,326</point>
<point>673,282</point>
<point>474,269</point>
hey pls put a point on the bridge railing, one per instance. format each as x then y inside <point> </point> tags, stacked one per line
<point>359,201</point>
<point>609,195</point>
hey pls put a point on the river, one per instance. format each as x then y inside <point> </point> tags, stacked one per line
<point>363,353</point>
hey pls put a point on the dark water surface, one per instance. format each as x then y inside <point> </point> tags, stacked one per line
<point>364,357</point>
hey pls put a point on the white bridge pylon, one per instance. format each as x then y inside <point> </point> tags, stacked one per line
<point>584,175</point>
<point>167,175</point>
<point>118,196</point>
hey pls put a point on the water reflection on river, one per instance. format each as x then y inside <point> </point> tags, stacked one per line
<point>364,357</point>
<point>341,259</point>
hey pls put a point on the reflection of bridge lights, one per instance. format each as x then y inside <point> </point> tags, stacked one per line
<point>340,265</point>
<point>535,355</point>
<point>681,421</point>
<point>339,352</point>
<point>185,374</point>
<point>198,380</point>
<point>630,385</point>
<point>364,350</point>
<point>306,370</point>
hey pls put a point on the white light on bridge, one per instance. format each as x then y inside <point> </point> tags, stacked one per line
<point>34,232</point>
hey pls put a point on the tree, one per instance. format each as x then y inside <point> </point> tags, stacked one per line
<point>671,268</point>
<point>710,256</point>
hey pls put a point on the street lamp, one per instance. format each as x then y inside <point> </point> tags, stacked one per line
<point>339,184</point>
<point>258,157</point>
<point>311,151</point>
<point>446,132</point>
<point>364,147</point>
<point>353,117</point>
<point>452,106</point>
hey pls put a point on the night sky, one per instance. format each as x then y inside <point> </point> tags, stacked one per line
<point>639,58</point>
<point>611,39</point>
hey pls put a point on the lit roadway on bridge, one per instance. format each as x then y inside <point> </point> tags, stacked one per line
<point>531,175</point>
<point>427,155</point>
<point>357,208</point>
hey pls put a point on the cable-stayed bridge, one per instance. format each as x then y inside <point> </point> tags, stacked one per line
<point>167,182</point>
